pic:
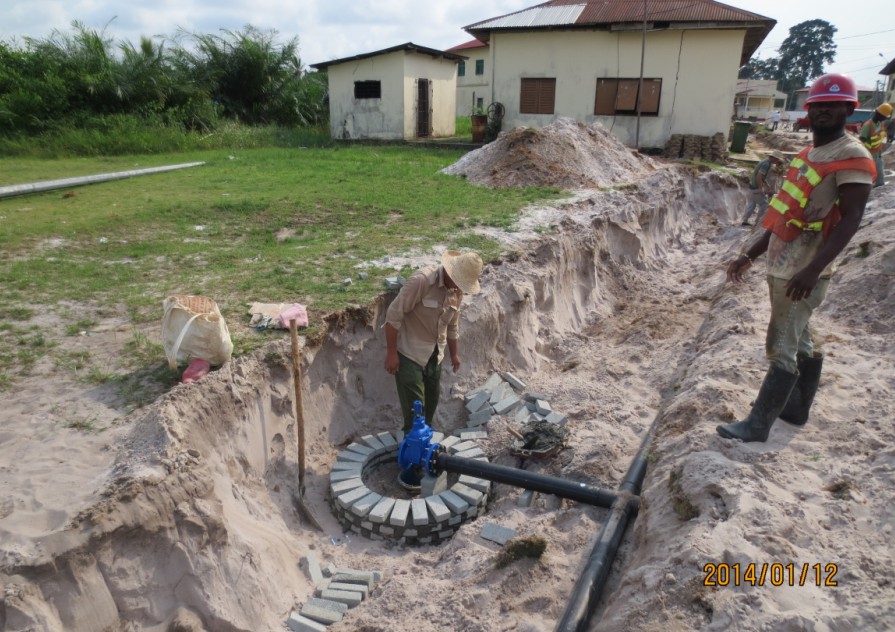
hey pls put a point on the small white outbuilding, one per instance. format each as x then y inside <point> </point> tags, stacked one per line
<point>403,92</point>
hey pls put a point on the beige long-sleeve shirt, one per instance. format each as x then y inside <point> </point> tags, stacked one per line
<point>425,313</point>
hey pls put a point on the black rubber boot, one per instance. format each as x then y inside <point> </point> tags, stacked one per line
<point>771,399</point>
<point>802,396</point>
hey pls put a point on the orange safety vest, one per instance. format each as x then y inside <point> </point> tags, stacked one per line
<point>786,212</point>
<point>877,137</point>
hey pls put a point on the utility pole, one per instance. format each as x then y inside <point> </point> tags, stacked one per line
<point>640,83</point>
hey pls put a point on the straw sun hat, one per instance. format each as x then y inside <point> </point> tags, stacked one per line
<point>464,268</point>
<point>778,155</point>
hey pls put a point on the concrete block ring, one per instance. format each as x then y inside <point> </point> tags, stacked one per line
<point>415,521</point>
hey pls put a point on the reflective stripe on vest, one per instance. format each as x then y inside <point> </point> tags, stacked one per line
<point>790,202</point>
<point>877,137</point>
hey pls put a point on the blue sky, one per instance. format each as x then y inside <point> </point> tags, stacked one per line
<point>329,29</point>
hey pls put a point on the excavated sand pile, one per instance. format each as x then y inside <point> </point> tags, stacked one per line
<point>565,154</point>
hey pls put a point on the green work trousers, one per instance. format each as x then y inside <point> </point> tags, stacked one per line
<point>788,335</point>
<point>418,383</point>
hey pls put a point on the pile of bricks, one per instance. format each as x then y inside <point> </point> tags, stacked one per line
<point>693,147</point>
<point>337,590</point>
<point>505,394</point>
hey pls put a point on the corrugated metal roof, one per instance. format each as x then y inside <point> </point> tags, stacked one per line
<point>409,47</point>
<point>687,14</point>
<point>536,17</point>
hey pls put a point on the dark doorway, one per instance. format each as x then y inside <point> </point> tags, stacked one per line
<point>423,113</point>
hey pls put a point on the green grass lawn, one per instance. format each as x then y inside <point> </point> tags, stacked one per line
<point>270,225</point>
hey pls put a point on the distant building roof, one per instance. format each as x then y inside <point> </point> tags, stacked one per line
<point>618,15</point>
<point>889,69</point>
<point>409,47</point>
<point>470,44</point>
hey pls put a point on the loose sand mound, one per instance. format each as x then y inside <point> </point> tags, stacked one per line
<point>565,154</point>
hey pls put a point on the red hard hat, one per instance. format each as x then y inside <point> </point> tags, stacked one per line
<point>832,87</point>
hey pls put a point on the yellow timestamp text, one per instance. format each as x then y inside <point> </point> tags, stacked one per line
<point>776,574</point>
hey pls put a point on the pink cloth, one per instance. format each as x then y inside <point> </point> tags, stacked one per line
<point>296,311</point>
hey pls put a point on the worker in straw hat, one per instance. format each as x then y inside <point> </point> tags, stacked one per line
<point>810,220</point>
<point>421,321</point>
<point>761,186</point>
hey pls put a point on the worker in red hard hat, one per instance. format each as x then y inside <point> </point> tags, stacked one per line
<point>811,219</point>
<point>873,135</point>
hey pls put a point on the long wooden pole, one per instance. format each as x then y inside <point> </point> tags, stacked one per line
<point>299,414</point>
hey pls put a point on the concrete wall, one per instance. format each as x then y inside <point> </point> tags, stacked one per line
<point>442,76</point>
<point>367,118</point>
<point>473,87</point>
<point>698,69</point>
<point>394,116</point>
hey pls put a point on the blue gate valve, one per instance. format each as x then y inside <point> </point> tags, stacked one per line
<point>417,447</point>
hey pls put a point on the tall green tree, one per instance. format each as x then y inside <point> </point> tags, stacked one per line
<point>802,57</point>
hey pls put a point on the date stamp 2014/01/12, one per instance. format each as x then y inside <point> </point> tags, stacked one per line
<point>763,574</point>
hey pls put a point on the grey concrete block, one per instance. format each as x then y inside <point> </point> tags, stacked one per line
<point>478,402</point>
<point>419,512</point>
<point>470,495</point>
<point>373,441</point>
<point>398,517</point>
<point>438,509</point>
<point>521,414</point>
<point>543,407</point>
<point>535,417</point>
<point>526,498</point>
<point>350,599</point>
<point>481,417</point>
<point>346,500</point>
<point>476,483</point>
<point>433,485</point>
<point>329,569</point>
<point>472,435</point>
<point>362,589</point>
<point>326,603</point>
<point>350,455</point>
<point>533,397</point>
<point>491,383</point>
<point>343,475</point>
<point>366,579</point>
<point>437,437</point>
<point>298,623</point>
<point>472,453</point>
<point>321,615</point>
<point>449,441</point>
<point>496,533</point>
<point>502,391</point>
<point>506,405</point>
<point>463,446</point>
<point>379,514</point>
<point>454,502</point>
<point>388,440</point>
<point>514,381</point>
<point>347,485</point>
<point>360,448</point>
<point>363,506</point>
<point>347,465</point>
<point>312,562</point>
<point>556,418</point>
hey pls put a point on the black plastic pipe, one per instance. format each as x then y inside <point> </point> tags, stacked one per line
<point>582,492</point>
<point>593,578</point>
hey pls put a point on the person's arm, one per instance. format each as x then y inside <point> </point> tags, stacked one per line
<point>455,356</point>
<point>865,133</point>
<point>852,199</point>
<point>759,180</point>
<point>737,267</point>
<point>391,349</point>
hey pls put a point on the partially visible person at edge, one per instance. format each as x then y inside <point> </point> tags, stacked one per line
<point>873,135</point>
<point>809,222</point>
<point>760,187</point>
<point>421,321</point>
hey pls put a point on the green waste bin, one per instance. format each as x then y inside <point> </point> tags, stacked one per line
<point>740,134</point>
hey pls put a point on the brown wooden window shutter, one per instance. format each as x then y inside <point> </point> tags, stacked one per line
<point>619,96</point>
<point>606,91</point>
<point>537,96</point>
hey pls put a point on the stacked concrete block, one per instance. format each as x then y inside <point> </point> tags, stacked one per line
<point>338,588</point>
<point>434,517</point>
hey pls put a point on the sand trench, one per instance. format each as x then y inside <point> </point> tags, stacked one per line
<point>620,313</point>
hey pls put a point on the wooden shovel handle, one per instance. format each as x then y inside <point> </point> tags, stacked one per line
<point>299,414</point>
